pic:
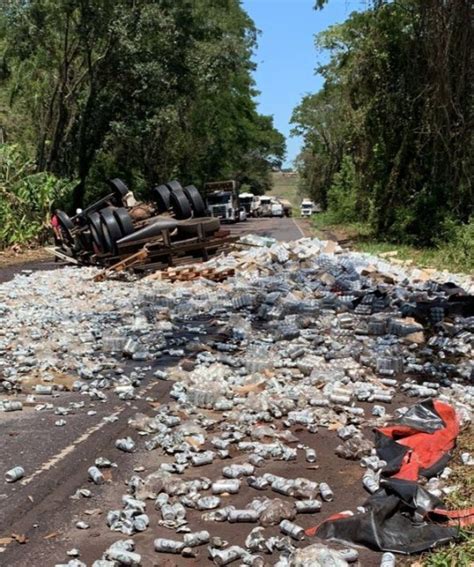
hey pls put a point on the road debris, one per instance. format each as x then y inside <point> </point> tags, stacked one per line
<point>14,474</point>
<point>296,341</point>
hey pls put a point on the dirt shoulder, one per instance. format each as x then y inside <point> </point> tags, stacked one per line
<point>15,257</point>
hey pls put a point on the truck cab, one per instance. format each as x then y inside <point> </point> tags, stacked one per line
<point>250,203</point>
<point>223,201</point>
<point>307,208</point>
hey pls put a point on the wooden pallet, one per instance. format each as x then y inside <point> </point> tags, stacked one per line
<point>156,255</point>
<point>189,273</point>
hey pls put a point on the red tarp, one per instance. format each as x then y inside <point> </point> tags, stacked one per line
<point>424,449</point>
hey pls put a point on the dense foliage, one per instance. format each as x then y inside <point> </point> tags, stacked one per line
<point>146,90</point>
<point>389,138</point>
<point>26,197</point>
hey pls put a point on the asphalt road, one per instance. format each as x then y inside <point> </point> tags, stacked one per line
<point>56,459</point>
<point>285,229</point>
<point>8,272</point>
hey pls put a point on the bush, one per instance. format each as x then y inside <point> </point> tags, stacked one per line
<point>342,195</point>
<point>456,244</point>
<point>26,198</point>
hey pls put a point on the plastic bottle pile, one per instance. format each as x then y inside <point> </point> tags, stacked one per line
<point>304,337</point>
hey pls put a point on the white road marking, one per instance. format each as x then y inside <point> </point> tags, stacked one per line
<point>70,448</point>
<point>299,228</point>
<point>67,450</point>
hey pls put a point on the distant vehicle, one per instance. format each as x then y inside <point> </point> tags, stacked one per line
<point>277,209</point>
<point>307,208</point>
<point>270,207</point>
<point>265,209</point>
<point>287,207</point>
<point>250,203</point>
<point>223,201</point>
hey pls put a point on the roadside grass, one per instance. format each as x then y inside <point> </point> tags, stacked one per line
<point>451,257</point>
<point>286,187</point>
<point>460,553</point>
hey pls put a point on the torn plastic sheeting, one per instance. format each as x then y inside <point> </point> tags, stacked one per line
<point>418,500</point>
<point>398,516</point>
<point>421,504</point>
<point>411,448</point>
<point>388,525</point>
<point>422,417</point>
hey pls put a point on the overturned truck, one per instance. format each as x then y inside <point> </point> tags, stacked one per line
<point>117,231</point>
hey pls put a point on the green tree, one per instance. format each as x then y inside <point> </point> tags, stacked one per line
<point>402,75</point>
<point>147,90</point>
<point>322,119</point>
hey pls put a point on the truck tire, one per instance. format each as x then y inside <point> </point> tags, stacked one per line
<point>65,224</point>
<point>189,228</point>
<point>197,202</point>
<point>95,227</point>
<point>110,228</point>
<point>180,204</point>
<point>162,197</point>
<point>174,185</point>
<point>118,187</point>
<point>124,221</point>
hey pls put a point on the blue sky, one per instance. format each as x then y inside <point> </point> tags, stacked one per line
<point>286,56</point>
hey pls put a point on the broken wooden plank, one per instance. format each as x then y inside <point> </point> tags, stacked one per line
<point>120,266</point>
<point>62,256</point>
